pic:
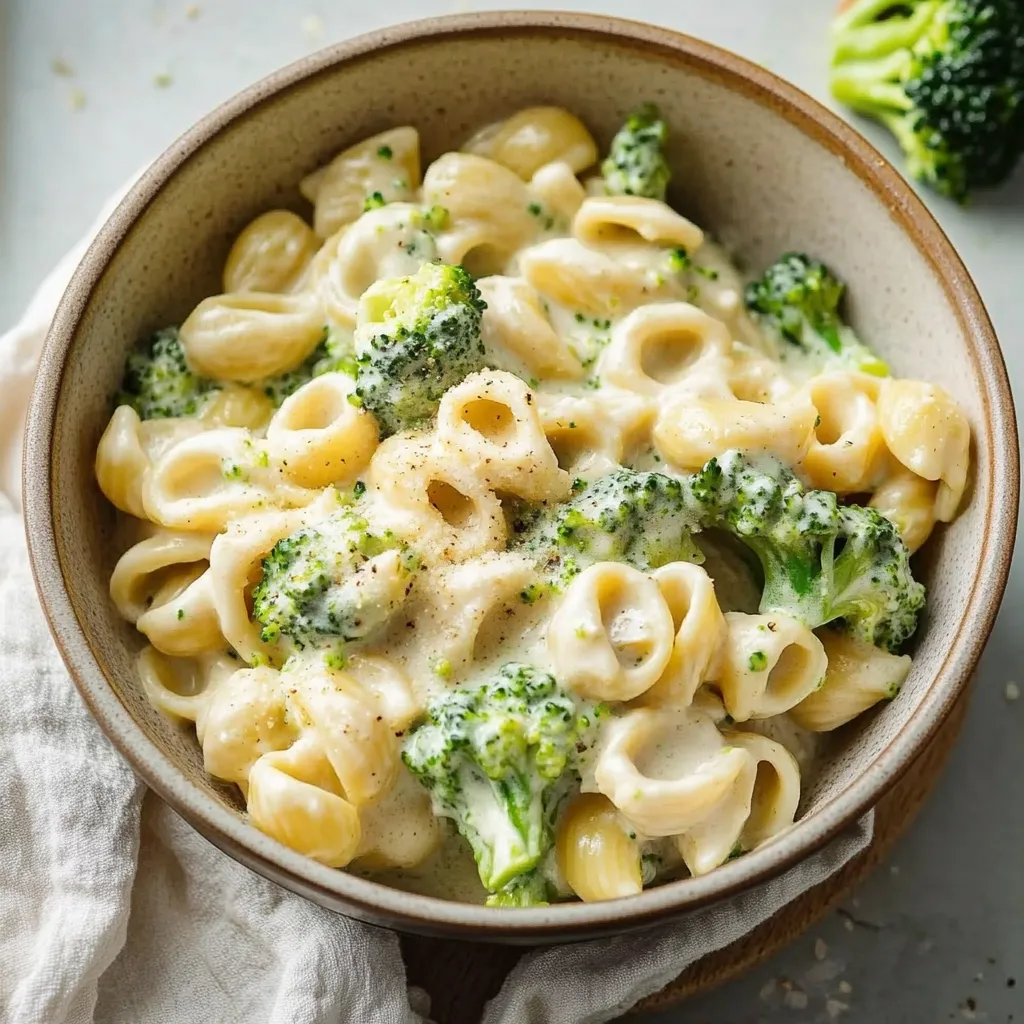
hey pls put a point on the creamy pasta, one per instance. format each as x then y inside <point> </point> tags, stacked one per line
<point>489,510</point>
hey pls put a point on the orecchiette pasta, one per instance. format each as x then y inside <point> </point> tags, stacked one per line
<point>407,540</point>
<point>359,745</point>
<point>126,453</point>
<point>589,280</point>
<point>700,631</point>
<point>490,425</point>
<point>858,676</point>
<point>534,137</point>
<point>466,599</point>
<point>557,192</point>
<point>236,406</point>
<point>591,437</point>
<point>270,254</point>
<point>595,854</point>
<point>488,205</point>
<point>623,218</point>
<point>929,434</point>
<point>293,797</point>
<point>248,336</point>
<point>318,437</point>
<point>690,430</point>
<point>769,663</point>
<point>762,802</point>
<point>844,448</point>
<point>668,799</point>
<point>429,499</point>
<point>514,324</point>
<point>391,241</point>
<point>611,637</point>
<point>387,164</point>
<point>207,480</point>
<point>908,500</point>
<point>661,346</point>
<point>246,718</point>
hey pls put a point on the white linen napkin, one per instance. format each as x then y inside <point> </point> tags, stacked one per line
<point>114,911</point>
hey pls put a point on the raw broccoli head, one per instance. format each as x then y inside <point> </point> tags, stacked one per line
<point>821,561</point>
<point>332,354</point>
<point>643,519</point>
<point>158,382</point>
<point>494,759</point>
<point>798,299</point>
<point>326,584</point>
<point>945,76</point>
<point>636,164</point>
<point>416,337</point>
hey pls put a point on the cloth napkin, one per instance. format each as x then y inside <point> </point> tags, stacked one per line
<point>113,910</point>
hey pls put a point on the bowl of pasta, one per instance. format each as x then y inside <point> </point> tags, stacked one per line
<point>521,475</point>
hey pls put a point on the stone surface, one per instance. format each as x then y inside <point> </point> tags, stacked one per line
<point>90,91</point>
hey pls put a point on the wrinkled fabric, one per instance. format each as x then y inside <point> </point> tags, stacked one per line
<point>114,911</point>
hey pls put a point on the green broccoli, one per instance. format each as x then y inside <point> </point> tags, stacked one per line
<point>872,588</point>
<point>636,164</point>
<point>529,890</point>
<point>495,759</point>
<point>946,77</point>
<point>332,354</point>
<point>416,337</point>
<point>643,519</point>
<point>821,561</point>
<point>327,585</point>
<point>158,382</point>
<point>798,298</point>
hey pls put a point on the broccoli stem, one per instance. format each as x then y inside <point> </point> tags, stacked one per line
<point>858,37</point>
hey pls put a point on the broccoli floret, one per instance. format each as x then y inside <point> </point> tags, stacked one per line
<point>643,519</point>
<point>494,759</point>
<point>636,164</point>
<point>333,353</point>
<point>946,77</point>
<point>821,561</point>
<point>529,890</point>
<point>416,337</point>
<point>331,584</point>
<point>873,590</point>
<point>798,298</point>
<point>792,531</point>
<point>158,382</point>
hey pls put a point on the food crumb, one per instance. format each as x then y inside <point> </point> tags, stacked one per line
<point>820,949</point>
<point>768,989</point>
<point>1012,691</point>
<point>894,870</point>
<point>162,79</point>
<point>796,1000</point>
<point>61,67</point>
<point>845,987</point>
<point>312,25</point>
<point>76,99</point>
<point>847,924</point>
<point>834,1007</point>
<point>192,12</point>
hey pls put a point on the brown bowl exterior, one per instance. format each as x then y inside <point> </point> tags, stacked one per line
<point>758,162</point>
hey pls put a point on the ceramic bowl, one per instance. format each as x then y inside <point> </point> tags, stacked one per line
<point>757,162</point>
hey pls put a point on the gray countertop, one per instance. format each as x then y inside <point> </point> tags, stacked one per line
<point>92,89</point>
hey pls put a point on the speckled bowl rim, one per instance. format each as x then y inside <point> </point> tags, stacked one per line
<point>382,904</point>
